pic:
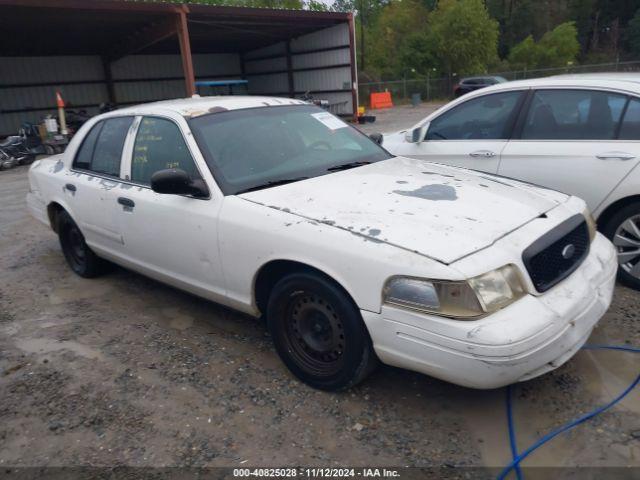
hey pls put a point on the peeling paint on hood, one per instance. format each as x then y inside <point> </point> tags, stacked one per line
<point>442,212</point>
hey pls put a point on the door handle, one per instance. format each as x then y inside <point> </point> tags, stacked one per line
<point>126,202</point>
<point>615,156</point>
<point>482,154</point>
<point>71,187</point>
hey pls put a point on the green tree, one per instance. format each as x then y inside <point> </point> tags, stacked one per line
<point>556,48</point>
<point>524,55</point>
<point>399,24</point>
<point>560,46</point>
<point>367,12</point>
<point>462,36</point>
<point>316,5</point>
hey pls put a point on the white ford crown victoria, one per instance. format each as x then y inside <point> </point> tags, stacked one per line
<point>275,207</point>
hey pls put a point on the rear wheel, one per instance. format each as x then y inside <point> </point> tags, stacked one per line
<point>79,256</point>
<point>319,333</point>
<point>623,229</point>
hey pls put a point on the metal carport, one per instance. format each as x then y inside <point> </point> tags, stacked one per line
<point>127,52</point>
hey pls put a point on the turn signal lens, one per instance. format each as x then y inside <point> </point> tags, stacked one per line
<point>498,288</point>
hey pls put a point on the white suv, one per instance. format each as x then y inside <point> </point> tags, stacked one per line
<point>577,134</point>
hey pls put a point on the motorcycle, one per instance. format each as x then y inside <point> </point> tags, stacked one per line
<point>21,149</point>
<point>7,161</point>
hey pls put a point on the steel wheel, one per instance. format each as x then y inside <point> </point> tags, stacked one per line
<point>627,242</point>
<point>314,334</point>
<point>318,331</point>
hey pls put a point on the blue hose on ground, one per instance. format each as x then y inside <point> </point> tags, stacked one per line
<point>518,457</point>
<point>512,434</point>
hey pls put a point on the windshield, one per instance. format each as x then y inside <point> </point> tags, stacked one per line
<point>266,146</point>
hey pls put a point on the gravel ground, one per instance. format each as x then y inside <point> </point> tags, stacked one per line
<point>124,371</point>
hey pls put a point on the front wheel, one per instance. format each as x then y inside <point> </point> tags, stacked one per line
<point>79,256</point>
<point>319,333</point>
<point>623,229</point>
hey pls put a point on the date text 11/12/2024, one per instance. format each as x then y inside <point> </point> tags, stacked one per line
<point>316,472</point>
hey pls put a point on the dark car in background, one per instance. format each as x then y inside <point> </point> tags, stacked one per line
<point>470,84</point>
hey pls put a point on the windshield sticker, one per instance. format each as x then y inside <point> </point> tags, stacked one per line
<point>329,121</point>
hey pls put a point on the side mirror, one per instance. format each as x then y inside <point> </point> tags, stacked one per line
<point>377,137</point>
<point>417,135</point>
<point>174,181</point>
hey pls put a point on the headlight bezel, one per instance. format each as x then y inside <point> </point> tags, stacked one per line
<point>473,304</point>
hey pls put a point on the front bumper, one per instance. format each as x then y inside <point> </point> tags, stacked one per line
<point>530,337</point>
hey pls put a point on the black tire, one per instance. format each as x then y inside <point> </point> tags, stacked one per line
<point>80,257</point>
<point>628,272</point>
<point>319,333</point>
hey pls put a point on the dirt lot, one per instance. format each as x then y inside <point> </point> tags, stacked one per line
<point>122,370</point>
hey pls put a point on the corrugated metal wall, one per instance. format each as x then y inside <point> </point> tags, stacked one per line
<point>20,75</point>
<point>31,82</point>
<point>320,62</point>
<point>325,71</point>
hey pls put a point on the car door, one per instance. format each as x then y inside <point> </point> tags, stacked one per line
<point>92,189</point>
<point>567,140</point>
<point>471,134</point>
<point>171,237</point>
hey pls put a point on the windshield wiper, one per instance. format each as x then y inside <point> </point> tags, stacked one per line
<point>272,183</point>
<point>347,166</point>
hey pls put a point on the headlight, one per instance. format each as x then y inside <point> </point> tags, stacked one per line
<point>464,300</point>
<point>591,224</point>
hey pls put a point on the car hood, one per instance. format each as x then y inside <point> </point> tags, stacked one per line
<point>442,212</point>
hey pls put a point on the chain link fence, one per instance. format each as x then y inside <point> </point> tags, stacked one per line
<point>441,88</point>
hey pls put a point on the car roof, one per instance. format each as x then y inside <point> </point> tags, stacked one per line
<point>629,82</point>
<point>197,105</point>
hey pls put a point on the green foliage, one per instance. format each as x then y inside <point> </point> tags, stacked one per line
<point>463,36</point>
<point>398,27</point>
<point>316,5</point>
<point>524,54</point>
<point>556,48</point>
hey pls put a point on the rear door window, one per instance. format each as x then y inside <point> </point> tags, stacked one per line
<point>101,150</point>
<point>573,115</point>
<point>630,129</point>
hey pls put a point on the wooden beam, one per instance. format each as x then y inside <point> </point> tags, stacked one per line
<point>185,52</point>
<point>144,38</point>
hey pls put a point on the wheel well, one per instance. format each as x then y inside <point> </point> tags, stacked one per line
<point>271,272</point>
<point>611,210</point>
<point>53,210</point>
